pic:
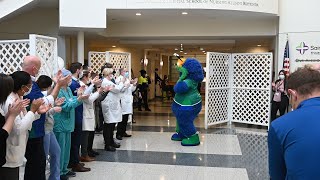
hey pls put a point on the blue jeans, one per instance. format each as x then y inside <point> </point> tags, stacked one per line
<point>52,148</point>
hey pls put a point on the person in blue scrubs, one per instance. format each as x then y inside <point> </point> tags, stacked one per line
<point>294,139</point>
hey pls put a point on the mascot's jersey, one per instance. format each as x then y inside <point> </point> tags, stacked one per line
<point>191,97</point>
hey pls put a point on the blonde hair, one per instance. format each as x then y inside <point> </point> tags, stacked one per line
<point>107,71</point>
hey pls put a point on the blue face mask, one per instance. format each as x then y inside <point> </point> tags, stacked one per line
<point>126,74</point>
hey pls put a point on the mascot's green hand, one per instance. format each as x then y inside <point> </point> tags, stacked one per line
<point>184,73</point>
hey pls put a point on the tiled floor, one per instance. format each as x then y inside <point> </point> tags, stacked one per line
<point>226,152</point>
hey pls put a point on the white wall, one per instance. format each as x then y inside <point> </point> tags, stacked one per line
<point>167,27</point>
<point>9,6</point>
<point>266,6</point>
<point>298,20</point>
<point>83,13</point>
<point>44,21</point>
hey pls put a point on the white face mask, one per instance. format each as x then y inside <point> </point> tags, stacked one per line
<point>70,83</point>
<point>281,76</point>
<point>45,93</point>
<point>29,91</point>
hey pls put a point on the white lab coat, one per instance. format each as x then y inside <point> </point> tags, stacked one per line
<point>126,96</point>
<point>88,122</point>
<point>17,140</point>
<point>111,108</point>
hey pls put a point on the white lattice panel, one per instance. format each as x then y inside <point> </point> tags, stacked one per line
<point>251,106</point>
<point>251,88</point>
<point>12,54</point>
<point>238,88</point>
<point>46,49</point>
<point>252,70</point>
<point>96,60</point>
<point>218,70</point>
<point>119,60</point>
<point>217,106</point>
<point>217,88</point>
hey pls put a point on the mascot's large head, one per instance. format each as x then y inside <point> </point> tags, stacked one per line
<point>189,68</point>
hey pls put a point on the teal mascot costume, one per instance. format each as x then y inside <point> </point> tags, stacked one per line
<point>187,102</point>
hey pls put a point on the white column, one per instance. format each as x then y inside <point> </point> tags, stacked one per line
<point>80,43</point>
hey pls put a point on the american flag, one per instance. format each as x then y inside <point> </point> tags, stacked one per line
<point>286,59</point>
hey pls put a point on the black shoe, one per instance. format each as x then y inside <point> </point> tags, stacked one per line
<point>119,137</point>
<point>71,174</point>
<point>126,135</point>
<point>95,152</point>
<point>110,148</point>
<point>148,109</point>
<point>116,145</point>
<point>64,177</point>
<point>91,154</point>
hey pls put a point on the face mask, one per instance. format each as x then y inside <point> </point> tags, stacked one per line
<point>26,93</point>
<point>45,93</point>
<point>70,83</point>
<point>126,74</point>
<point>281,76</point>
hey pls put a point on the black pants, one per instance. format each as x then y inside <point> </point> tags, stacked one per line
<point>144,95</point>
<point>75,144</point>
<point>90,141</point>
<point>122,126</point>
<point>9,173</point>
<point>108,133</point>
<point>36,160</point>
<point>281,106</point>
<point>84,143</point>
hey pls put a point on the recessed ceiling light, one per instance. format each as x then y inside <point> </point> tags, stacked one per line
<point>114,46</point>
<point>259,45</point>
<point>138,14</point>
<point>185,53</point>
<point>203,51</point>
<point>176,49</point>
<point>181,51</point>
<point>184,13</point>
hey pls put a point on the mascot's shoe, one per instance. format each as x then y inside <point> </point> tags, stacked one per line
<point>177,137</point>
<point>191,141</point>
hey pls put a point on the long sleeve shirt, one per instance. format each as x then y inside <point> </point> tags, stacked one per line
<point>65,120</point>
<point>3,139</point>
<point>294,145</point>
<point>75,85</point>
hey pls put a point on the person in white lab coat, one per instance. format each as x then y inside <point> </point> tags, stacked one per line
<point>17,140</point>
<point>126,101</point>
<point>111,108</point>
<point>88,123</point>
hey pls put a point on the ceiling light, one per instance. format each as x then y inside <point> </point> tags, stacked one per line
<point>184,13</point>
<point>259,45</point>
<point>138,14</point>
<point>181,51</point>
<point>114,46</point>
<point>203,51</point>
<point>176,49</point>
<point>185,53</point>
